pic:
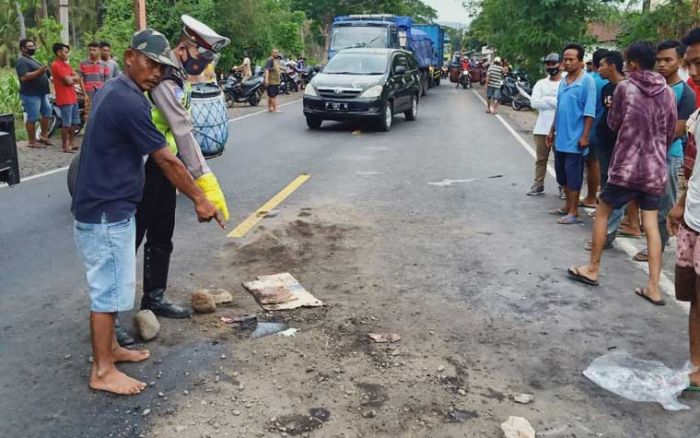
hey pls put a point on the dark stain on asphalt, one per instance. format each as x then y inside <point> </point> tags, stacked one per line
<point>297,424</point>
<point>491,393</point>
<point>461,416</point>
<point>373,394</point>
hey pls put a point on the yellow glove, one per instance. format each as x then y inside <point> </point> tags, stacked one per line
<point>210,186</point>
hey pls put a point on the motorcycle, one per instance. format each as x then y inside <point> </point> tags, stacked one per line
<point>509,88</point>
<point>444,71</point>
<point>55,121</point>
<point>522,98</point>
<point>292,81</point>
<point>465,79</point>
<point>249,91</point>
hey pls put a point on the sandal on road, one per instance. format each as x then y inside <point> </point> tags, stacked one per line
<point>641,256</point>
<point>36,146</point>
<point>583,204</point>
<point>574,274</point>
<point>643,293</point>
<point>45,141</point>
<point>692,388</point>
<point>557,212</point>
<point>569,220</point>
<point>589,245</point>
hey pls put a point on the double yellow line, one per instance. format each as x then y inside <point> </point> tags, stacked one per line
<point>252,220</point>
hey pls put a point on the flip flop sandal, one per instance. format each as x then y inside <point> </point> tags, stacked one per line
<point>36,146</point>
<point>629,235</point>
<point>46,142</point>
<point>592,214</point>
<point>569,220</point>
<point>557,212</point>
<point>692,388</point>
<point>574,274</point>
<point>642,293</point>
<point>589,245</point>
<point>641,256</point>
<point>581,204</point>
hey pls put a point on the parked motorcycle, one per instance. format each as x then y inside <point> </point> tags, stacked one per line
<point>248,91</point>
<point>292,79</point>
<point>55,121</point>
<point>444,71</point>
<point>523,97</point>
<point>509,89</point>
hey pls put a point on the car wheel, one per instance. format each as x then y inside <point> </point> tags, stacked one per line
<point>387,118</point>
<point>313,122</point>
<point>413,112</point>
<point>72,177</point>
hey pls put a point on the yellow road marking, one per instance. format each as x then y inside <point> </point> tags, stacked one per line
<point>252,220</point>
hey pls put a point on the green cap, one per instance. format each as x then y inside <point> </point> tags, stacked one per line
<point>153,44</point>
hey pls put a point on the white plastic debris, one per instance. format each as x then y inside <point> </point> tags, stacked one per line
<point>517,427</point>
<point>639,380</point>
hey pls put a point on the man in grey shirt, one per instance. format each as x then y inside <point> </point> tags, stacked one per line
<point>106,56</point>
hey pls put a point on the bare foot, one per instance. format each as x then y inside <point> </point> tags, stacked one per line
<point>695,378</point>
<point>115,381</point>
<point>121,354</point>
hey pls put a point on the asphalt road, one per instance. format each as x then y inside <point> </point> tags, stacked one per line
<point>470,273</point>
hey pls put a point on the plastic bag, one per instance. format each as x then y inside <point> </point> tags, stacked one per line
<point>639,380</point>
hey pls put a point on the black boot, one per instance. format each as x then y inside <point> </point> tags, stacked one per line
<point>155,280</point>
<point>123,336</point>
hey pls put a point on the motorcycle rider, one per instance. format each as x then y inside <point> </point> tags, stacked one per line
<point>155,215</point>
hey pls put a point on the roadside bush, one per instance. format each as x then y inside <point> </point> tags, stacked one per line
<point>9,93</point>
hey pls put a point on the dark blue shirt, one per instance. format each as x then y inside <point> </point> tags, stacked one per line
<point>120,133</point>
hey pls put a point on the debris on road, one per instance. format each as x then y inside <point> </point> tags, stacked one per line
<point>272,213</point>
<point>517,427</point>
<point>280,292</point>
<point>146,324</point>
<point>639,380</point>
<point>290,332</point>
<point>221,296</point>
<point>268,328</point>
<point>203,301</point>
<point>449,182</point>
<point>383,338</point>
<point>523,398</point>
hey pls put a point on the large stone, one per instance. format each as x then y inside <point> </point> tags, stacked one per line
<point>203,301</point>
<point>517,427</point>
<point>146,324</point>
<point>221,296</point>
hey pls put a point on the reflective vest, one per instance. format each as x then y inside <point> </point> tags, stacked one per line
<point>159,119</point>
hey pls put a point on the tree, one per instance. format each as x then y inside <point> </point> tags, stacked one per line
<point>534,28</point>
<point>668,21</point>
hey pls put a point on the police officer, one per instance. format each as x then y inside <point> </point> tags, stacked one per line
<point>155,216</point>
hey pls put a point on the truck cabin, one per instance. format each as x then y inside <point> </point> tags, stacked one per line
<point>364,31</point>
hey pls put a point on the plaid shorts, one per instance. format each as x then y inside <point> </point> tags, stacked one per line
<point>688,265</point>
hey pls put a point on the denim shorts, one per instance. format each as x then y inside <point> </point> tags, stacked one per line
<point>108,251</point>
<point>69,115</point>
<point>569,169</point>
<point>36,107</point>
<point>493,93</point>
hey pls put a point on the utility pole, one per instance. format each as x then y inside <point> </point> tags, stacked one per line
<point>140,14</point>
<point>63,9</point>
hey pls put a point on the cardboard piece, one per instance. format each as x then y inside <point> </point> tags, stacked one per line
<point>281,292</point>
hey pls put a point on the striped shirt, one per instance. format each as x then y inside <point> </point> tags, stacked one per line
<point>495,76</point>
<point>94,74</point>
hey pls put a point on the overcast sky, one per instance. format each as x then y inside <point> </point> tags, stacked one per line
<point>449,10</point>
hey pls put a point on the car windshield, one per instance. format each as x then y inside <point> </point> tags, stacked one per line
<point>356,64</point>
<point>345,37</point>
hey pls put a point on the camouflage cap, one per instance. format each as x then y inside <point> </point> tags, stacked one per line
<point>153,44</point>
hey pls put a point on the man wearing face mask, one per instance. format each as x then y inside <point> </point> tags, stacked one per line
<point>155,215</point>
<point>544,100</point>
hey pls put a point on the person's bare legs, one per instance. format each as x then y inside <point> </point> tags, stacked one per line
<point>66,138</point>
<point>572,202</point>
<point>104,375</point>
<point>31,134</point>
<point>494,110</point>
<point>634,227</point>
<point>694,335</point>
<point>651,228</point>
<point>592,181</point>
<point>488,104</point>
<point>270,102</point>
<point>600,234</point>
<point>44,123</point>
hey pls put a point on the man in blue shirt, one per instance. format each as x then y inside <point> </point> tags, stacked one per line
<point>109,186</point>
<point>592,159</point>
<point>576,102</point>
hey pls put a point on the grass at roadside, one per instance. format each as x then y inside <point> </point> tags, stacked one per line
<point>10,102</point>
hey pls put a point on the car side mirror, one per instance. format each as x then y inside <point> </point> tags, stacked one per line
<point>399,70</point>
<point>317,68</point>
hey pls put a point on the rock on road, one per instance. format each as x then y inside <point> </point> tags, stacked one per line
<point>471,275</point>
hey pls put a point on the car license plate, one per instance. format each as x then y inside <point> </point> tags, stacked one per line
<point>336,106</point>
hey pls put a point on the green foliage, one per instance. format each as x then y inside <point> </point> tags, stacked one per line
<point>668,21</point>
<point>524,30</point>
<point>45,35</point>
<point>9,93</point>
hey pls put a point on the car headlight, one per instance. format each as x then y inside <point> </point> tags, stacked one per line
<point>374,91</point>
<point>309,90</point>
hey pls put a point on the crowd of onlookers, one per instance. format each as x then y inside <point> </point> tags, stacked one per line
<point>626,126</point>
<point>71,88</point>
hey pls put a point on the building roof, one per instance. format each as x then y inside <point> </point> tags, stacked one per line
<point>603,32</point>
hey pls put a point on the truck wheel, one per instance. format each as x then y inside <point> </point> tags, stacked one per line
<point>313,122</point>
<point>387,119</point>
<point>413,112</point>
<point>437,82</point>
